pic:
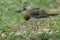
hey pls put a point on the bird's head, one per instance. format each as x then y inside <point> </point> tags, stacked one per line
<point>24,8</point>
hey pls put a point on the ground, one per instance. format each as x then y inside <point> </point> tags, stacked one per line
<point>14,27</point>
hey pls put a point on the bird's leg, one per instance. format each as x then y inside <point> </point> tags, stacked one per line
<point>36,26</point>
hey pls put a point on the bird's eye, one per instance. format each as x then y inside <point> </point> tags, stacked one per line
<point>24,8</point>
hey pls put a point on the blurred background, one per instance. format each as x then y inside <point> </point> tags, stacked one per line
<point>14,27</point>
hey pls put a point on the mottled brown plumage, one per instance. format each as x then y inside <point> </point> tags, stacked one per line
<point>29,12</point>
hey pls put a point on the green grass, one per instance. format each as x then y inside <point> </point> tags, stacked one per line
<point>12,22</point>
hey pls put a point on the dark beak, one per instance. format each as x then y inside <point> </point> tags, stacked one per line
<point>19,11</point>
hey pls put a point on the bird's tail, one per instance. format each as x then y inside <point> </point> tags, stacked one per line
<point>52,14</point>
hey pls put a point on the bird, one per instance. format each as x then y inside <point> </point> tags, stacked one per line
<point>30,12</point>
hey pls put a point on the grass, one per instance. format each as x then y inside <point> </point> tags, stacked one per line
<point>14,27</point>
